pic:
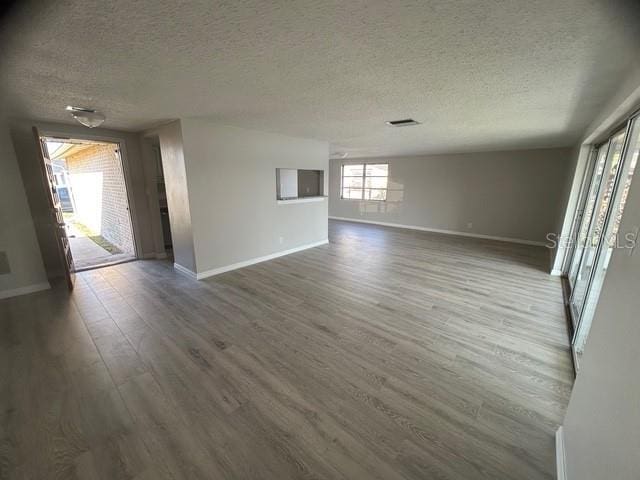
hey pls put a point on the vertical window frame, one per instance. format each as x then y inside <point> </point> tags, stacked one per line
<point>364,181</point>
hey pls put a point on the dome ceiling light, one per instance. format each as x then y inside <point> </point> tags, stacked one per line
<point>86,116</point>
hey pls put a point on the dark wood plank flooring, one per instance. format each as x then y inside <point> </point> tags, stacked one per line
<point>388,354</point>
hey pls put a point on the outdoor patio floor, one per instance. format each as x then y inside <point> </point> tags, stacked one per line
<point>87,254</point>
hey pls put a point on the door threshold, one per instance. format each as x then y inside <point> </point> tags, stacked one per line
<point>105,264</point>
<point>566,288</point>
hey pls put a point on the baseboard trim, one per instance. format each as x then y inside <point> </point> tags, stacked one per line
<point>14,292</point>
<point>446,232</point>
<point>185,271</point>
<point>561,460</point>
<point>556,272</point>
<point>246,263</point>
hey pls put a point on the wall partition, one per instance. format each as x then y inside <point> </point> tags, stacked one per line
<point>596,225</point>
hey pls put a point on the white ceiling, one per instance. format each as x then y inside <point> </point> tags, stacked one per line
<point>480,75</point>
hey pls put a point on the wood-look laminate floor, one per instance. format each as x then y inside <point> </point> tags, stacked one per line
<point>388,354</point>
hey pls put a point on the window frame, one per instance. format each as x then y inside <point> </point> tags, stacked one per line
<point>364,182</point>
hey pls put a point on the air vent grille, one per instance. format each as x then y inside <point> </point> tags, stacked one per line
<point>403,123</point>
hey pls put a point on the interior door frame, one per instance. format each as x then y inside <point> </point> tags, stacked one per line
<point>54,207</point>
<point>126,170</point>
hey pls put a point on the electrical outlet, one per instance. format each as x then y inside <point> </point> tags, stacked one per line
<point>281,240</point>
<point>4,264</point>
<point>470,225</point>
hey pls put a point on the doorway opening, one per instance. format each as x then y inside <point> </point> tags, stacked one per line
<point>162,201</point>
<point>90,183</point>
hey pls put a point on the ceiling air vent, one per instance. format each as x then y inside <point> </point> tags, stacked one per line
<point>403,123</point>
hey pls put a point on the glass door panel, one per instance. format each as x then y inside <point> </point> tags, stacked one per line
<point>590,204</point>
<point>580,207</point>
<point>611,238</point>
<point>597,223</point>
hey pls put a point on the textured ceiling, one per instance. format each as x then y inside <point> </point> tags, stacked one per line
<point>479,75</point>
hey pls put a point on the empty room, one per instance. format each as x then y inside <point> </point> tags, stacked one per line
<point>329,240</point>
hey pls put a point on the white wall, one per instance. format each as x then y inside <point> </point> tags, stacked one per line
<point>513,194</point>
<point>602,424</point>
<point>173,165</point>
<point>17,235</point>
<point>87,195</point>
<point>231,176</point>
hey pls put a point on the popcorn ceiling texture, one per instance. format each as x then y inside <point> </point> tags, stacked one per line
<point>480,75</point>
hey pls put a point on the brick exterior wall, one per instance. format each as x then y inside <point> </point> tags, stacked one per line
<point>101,200</point>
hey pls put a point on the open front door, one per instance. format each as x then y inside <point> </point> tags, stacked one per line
<point>57,220</point>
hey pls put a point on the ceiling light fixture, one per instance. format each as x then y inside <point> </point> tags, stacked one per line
<point>86,116</point>
<point>402,123</point>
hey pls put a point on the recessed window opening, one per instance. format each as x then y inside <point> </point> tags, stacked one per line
<point>294,183</point>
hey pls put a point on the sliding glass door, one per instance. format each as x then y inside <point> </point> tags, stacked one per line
<point>584,215</point>
<point>597,216</point>
<point>611,238</point>
<point>597,226</point>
